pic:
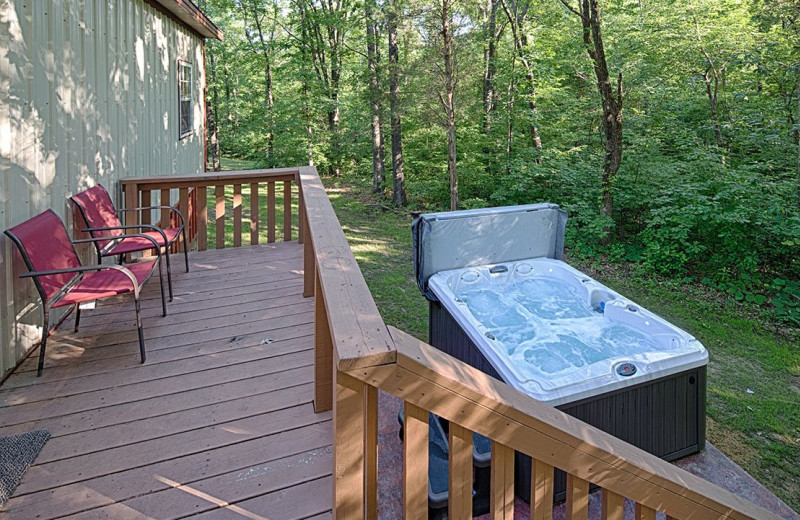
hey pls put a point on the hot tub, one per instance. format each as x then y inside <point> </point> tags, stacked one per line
<point>503,301</point>
<point>550,331</point>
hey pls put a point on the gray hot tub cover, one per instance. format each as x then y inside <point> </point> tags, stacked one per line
<point>455,239</point>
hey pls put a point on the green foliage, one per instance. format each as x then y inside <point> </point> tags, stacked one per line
<point>684,207</point>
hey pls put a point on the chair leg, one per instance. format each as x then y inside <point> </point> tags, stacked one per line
<point>139,327</point>
<point>161,281</point>
<point>185,249</point>
<point>77,316</point>
<point>43,345</point>
<point>169,272</point>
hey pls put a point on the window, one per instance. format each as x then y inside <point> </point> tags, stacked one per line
<point>185,91</point>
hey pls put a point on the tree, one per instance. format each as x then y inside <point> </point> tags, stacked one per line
<point>588,11</point>
<point>398,177</point>
<point>516,13</point>
<point>447,96</point>
<point>324,28</point>
<point>255,11</point>
<point>375,97</point>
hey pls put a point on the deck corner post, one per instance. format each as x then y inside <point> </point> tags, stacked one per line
<point>349,443</point>
<point>323,354</point>
<point>309,267</point>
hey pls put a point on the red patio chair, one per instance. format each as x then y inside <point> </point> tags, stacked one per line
<point>61,280</point>
<point>102,221</point>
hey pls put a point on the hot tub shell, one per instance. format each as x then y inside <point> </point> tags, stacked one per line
<point>661,409</point>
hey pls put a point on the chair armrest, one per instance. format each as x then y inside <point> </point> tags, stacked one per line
<point>142,208</point>
<point>84,268</point>
<point>122,237</point>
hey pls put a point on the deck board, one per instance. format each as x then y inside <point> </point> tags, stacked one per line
<point>219,422</point>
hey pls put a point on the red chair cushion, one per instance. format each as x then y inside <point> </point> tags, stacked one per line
<point>99,212</point>
<point>44,239</point>
<point>130,245</point>
<point>95,285</point>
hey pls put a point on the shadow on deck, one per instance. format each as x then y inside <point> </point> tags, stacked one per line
<point>219,421</point>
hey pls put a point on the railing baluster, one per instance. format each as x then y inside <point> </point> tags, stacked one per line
<point>371,451</point>
<point>644,513</point>
<point>309,264</point>
<point>287,211</point>
<point>271,212</point>
<point>202,218</point>
<point>460,492</point>
<point>220,216</point>
<point>237,215</point>
<point>254,213</point>
<point>501,500</point>
<point>301,210</point>
<point>164,219</point>
<point>613,506</point>
<point>146,201</point>
<point>577,498</point>
<point>183,207</point>
<point>541,490</point>
<point>348,447</point>
<point>415,462</point>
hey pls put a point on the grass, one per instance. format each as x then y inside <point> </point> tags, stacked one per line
<point>754,368</point>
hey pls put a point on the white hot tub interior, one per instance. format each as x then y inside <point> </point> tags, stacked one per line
<point>548,326</point>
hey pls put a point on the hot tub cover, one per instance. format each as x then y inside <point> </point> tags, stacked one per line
<point>455,239</point>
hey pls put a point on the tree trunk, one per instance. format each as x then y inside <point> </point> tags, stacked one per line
<point>516,16</point>
<point>378,174</point>
<point>212,116</point>
<point>269,100</point>
<point>712,92</point>
<point>398,179</point>
<point>589,13</point>
<point>448,99</point>
<point>489,64</point>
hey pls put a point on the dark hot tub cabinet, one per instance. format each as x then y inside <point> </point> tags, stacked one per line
<point>503,301</point>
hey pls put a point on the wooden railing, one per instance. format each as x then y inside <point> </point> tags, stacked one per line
<point>356,354</point>
<point>193,192</point>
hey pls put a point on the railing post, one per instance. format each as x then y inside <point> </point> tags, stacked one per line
<point>501,498</point>
<point>349,497</point>
<point>577,498</point>
<point>202,218</point>
<point>371,451</point>
<point>415,462</point>
<point>323,354</point>
<point>542,490</point>
<point>301,211</point>
<point>613,506</point>
<point>459,503</point>
<point>309,263</point>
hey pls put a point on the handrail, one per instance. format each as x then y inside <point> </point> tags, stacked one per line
<point>356,354</point>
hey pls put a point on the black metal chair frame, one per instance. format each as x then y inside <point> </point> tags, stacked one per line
<point>48,303</point>
<point>103,251</point>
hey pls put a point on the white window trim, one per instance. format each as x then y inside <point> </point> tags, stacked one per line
<point>182,64</point>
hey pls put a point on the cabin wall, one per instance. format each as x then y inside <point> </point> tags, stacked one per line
<point>88,94</point>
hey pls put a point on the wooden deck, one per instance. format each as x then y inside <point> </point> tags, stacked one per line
<point>218,423</point>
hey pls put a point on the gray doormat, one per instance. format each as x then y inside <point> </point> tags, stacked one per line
<point>17,452</point>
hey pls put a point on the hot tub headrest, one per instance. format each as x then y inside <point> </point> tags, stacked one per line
<point>455,239</point>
